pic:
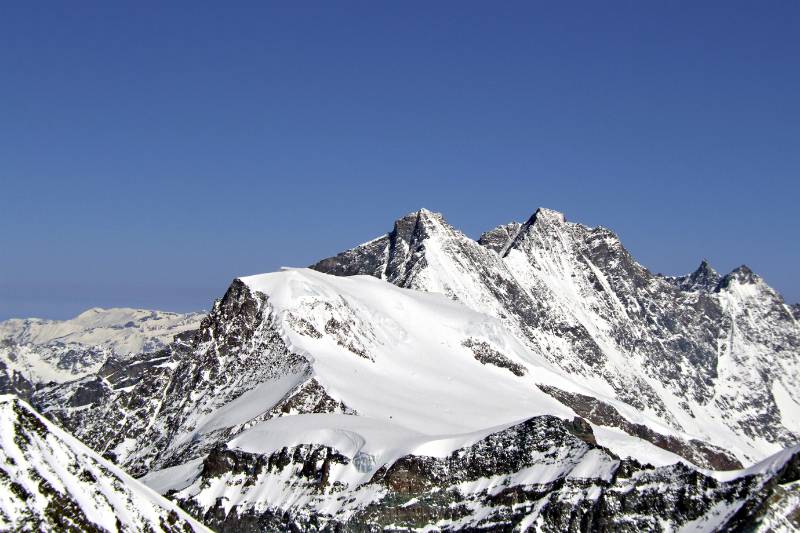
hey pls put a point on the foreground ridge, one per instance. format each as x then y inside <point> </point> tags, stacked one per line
<point>50,481</point>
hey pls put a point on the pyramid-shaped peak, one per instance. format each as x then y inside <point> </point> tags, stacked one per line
<point>424,216</point>
<point>547,216</point>
<point>705,269</point>
<point>418,224</point>
<point>428,215</point>
<point>703,278</point>
<point>420,214</point>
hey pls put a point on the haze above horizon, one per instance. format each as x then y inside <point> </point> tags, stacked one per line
<point>149,156</point>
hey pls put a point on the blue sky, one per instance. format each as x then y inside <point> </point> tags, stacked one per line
<point>150,155</point>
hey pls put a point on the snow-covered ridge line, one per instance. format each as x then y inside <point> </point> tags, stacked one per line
<point>51,480</point>
<point>355,305</point>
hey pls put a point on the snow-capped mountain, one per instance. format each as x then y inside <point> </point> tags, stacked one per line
<point>538,377</point>
<point>49,481</point>
<point>715,357</point>
<point>298,342</point>
<point>307,400</point>
<point>35,351</point>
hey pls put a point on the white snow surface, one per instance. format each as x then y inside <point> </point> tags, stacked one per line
<point>123,330</point>
<point>397,357</point>
<point>416,372</point>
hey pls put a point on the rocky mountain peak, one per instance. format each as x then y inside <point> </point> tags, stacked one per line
<point>704,278</point>
<point>705,267</point>
<point>543,224</point>
<point>575,295</point>
<point>428,214</point>
<point>743,275</point>
<point>544,215</point>
<point>417,225</point>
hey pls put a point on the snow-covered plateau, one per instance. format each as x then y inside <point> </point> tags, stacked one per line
<point>537,378</point>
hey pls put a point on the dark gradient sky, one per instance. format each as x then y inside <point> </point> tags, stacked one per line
<point>148,156</point>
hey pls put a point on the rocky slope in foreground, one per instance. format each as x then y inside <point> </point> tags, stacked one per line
<point>51,482</point>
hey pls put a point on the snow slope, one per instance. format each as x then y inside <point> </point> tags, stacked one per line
<point>409,357</point>
<point>419,366</point>
<point>391,352</point>
<point>299,342</point>
<point>50,481</point>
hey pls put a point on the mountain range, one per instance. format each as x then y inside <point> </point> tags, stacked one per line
<point>535,378</point>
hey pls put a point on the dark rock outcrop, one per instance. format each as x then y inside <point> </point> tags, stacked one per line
<point>569,484</point>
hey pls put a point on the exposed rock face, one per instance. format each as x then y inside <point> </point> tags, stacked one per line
<point>489,356</point>
<point>51,482</point>
<point>307,397</point>
<point>500,238</point>
<point>602,414</point>
<point>702,352</point>
<point>704,278</point>
<point>14,382</point>
<point>544,473</point>
<point>149,412</point>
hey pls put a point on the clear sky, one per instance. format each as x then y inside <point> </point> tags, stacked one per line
<point>148,155</point>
